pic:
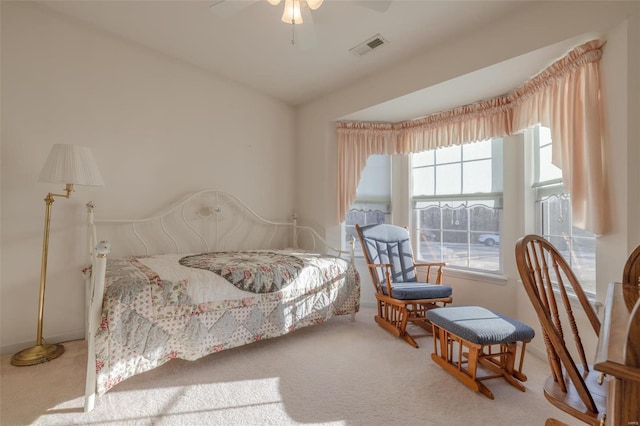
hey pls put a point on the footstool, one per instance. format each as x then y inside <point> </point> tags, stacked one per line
<point>467,336</point>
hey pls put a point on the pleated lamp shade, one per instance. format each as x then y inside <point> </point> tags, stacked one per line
<point>71,164</point>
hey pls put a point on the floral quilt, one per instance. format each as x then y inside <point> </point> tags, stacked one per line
<point>156,308</point>
<point>254,271</point>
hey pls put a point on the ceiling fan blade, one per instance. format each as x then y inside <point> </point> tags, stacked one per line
<point>379,5</point>
<point>227,8</point>
<point>304,33</point>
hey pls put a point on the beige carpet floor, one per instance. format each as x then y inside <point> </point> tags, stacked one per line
<point>337,373</point>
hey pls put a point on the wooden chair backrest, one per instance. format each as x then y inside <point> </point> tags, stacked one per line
<point>631,272</point>
<point>547,277</point>
<point>387,244</point>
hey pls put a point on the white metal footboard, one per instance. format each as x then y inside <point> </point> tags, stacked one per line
<point>95,296</point>
<point>203,222</point>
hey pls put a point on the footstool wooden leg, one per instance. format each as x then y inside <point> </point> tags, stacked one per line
<point>456,365</point>
<point>472,370</point>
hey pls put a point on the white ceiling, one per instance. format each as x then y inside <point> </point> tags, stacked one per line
<point>253,46</point>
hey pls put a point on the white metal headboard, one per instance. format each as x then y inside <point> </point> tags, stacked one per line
<point>205,221</point>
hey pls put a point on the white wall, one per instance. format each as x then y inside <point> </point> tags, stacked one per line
<point>545,23</point>
<point>158,128</point>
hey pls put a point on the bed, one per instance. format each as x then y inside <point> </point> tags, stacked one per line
<point>205,275</point>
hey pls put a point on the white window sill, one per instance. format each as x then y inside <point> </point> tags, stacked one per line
<point>484,277</point>
<point>575,303</point>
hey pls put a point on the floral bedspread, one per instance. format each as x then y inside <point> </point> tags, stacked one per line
<point>254,271</point>
<point>148,320</point>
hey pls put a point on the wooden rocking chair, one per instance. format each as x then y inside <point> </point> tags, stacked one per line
<point>401,298</point>
<point>573,387</point>
<point>631,272</point>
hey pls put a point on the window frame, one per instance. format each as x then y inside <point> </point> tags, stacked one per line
<point>543,192</point>
<point>496,157</point>
<point>347,230</point>
<point>519,203</point>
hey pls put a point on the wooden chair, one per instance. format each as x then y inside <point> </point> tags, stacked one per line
<point>400,297</point>
<point>548,279</point>
<point>631,272</point>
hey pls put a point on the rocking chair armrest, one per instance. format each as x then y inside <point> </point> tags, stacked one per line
<point>387,274</point>
<point>429,265</point>
<point>377,265</point>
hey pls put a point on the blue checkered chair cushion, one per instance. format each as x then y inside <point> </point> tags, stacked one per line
<point>479,325</point>
<point>390,244</point>
<point>415,291</point>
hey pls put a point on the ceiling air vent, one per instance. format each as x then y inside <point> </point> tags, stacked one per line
<point>367,46</point>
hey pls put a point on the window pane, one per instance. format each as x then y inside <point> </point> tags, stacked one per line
<point>461,232</point>
<point>485,223</point>
<point>544,135</point>
<point>375,182</point>
<point>557,221</point>
<point>485,257</point>
<point>449,154</point>
<point>485,219</point>
<point>547,170</point>
<point>425,158</point>
<point>476,150</point>
<point>374,216</point>
<point>429,218</point>
<point>583,262</point>
<point>454,218</point>
<point>350,232</point>
<point>577,246</point>
<point>460,235</point>
<point>429,250</point>
<point>360,217</point>
<point>448,179</point>
<point>423,181</point>
<point>455,248</point>
<point>373,199</point>
<point>477,176</point>
<point>356,217</point>
<point>554,220</point>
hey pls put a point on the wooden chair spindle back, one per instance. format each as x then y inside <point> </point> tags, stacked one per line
<point>631,272</point>
<point>547,277</point>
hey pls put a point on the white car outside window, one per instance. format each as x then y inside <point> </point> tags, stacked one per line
<point>489,239</point>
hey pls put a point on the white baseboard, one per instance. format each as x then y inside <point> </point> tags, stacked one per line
<point>537,352</point>
<point>61,338</point>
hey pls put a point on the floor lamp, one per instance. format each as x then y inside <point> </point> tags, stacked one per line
<point>71,165</point>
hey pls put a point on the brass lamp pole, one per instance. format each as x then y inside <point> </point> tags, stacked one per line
<point>41,353</point>
<point>67,163</point>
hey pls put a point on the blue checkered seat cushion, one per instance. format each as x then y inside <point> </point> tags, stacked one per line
<point>479,325</point>
<point>390,244</point>
<point>415,290</point>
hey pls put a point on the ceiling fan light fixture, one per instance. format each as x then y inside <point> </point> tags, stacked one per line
<point>314,4</point>
<point>274,2</point>
<point>292,13</point>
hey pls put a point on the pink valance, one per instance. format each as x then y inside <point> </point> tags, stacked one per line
<point>564,97</point>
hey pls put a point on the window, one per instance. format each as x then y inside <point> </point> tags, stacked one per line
<point>373,199</point>
<point>553,214</point>
<point>457,205</point>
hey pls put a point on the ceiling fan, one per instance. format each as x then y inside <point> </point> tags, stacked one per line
<point>297,13</point>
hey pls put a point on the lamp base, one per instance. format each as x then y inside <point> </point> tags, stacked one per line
<point>37,355</point>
